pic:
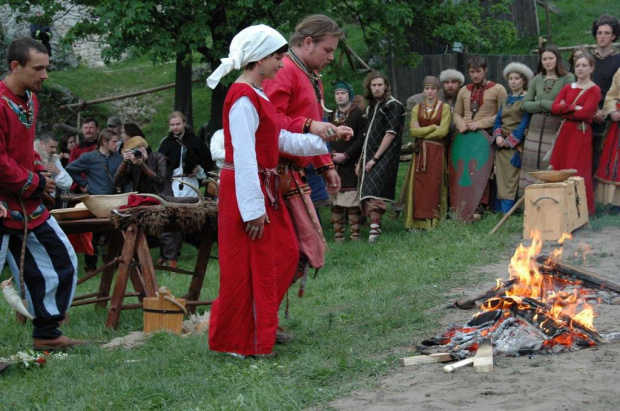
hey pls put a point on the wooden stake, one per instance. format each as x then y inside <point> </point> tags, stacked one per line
<point>425,359</point>
<point>458,364</point>
<point>483,360</point>
<point>508,214</point>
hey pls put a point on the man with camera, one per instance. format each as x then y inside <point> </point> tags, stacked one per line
<point>145,171</point>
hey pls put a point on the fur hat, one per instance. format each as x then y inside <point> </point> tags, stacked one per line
<point>135,142</point>
<point>451,74</point>
<point>520,68</point>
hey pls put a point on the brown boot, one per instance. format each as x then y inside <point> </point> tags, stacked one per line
<point>338,223</point>
<point>355,215</point>
<point>59,343</point>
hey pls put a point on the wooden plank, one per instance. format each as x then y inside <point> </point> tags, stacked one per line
<point>425,359</point>
<point>552,7</point>
<point>483,360</point>
<point>458,364</point>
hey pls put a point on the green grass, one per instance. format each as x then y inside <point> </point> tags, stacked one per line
<point>125,77</point>
<point>366,307</point>
<point>573,26</point>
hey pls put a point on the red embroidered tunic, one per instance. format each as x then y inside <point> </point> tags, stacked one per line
<point>254,274</point>
<point>19,169</point>
<point>292,94</point>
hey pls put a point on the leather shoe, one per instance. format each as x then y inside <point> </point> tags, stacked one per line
<point>60,343</point>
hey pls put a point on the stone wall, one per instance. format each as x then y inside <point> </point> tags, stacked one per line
<point>87,51</point>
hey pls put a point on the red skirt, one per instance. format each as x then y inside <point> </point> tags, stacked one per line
<point>254,276</point>
<point>573,149</point>
<point>609,164</point>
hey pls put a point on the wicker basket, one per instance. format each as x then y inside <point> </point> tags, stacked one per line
<point>102,205</point>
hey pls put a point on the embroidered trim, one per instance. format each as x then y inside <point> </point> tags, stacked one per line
<point>24,114</point>
<point>28,182</point>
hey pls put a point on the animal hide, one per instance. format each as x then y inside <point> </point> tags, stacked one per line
<point>153,219</point>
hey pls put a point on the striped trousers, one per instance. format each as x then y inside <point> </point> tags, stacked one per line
<point>50,274</point>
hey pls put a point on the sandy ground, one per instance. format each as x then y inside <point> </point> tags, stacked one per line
<point>580,380</point>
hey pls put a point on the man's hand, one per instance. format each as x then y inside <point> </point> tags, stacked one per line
<point>615,116</point>
<point>338,158</point>
<point>84,189</point>
<point>500,142</point>
<point>52,169</point>
<point>370,164</point>
<point>50,185</point>
<point>333,181</point>
<point>462,128</point>
<point>3,211</point>
<point>194,172</point>
<point>344,133</point>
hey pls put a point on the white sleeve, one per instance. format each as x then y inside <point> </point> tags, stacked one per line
<point>63,179</point>
<point>301,144</point>
<point>243,120</point>
<point>217,145</point>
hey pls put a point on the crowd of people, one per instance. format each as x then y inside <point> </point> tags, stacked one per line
<point>279,143</point>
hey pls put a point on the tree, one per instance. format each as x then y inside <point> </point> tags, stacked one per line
<point>176,29</point>
<point>173,29</point>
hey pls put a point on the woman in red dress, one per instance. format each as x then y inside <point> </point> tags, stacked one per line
<point>577,103</point>
<point>257,245</point>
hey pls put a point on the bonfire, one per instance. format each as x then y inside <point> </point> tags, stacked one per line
<point>546,306</point>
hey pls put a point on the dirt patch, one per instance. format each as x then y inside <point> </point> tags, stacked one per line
<point>584,379</point>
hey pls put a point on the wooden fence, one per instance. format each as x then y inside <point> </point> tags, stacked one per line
<point>407,81</point>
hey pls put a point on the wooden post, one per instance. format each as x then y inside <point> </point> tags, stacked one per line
<point>548,17</point>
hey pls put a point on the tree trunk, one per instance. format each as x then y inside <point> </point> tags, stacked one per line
<point>183,89</point>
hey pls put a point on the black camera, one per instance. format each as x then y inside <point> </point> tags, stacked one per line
<point>136,153</point>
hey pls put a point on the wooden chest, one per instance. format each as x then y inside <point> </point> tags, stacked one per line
<point>555,208</point>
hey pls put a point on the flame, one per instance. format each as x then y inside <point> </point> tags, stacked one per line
<point>531,284</point>
<point>564,237</point>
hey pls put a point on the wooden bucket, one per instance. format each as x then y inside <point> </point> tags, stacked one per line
<point>163,312</point>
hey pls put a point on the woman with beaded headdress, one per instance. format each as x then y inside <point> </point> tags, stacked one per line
<point>545,86</point>
<point>509,132</point>
<point>257,246</point>
<point>426,191</point>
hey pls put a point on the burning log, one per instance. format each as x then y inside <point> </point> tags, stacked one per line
<point>562,269</point>
<point>497,291</point>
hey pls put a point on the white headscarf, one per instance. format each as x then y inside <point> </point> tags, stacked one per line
<point>250,44</point>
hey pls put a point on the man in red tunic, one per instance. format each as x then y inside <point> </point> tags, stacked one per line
<point>49,264</point>
<point>297,94</point>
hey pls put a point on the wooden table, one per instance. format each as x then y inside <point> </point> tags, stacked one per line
<point>128,255</point>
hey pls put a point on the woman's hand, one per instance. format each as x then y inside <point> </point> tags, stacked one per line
<point>256,227</point>
<point>3,211</point>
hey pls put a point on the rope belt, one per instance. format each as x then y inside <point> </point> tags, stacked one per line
<point>268,175</point>
<point>420,148</point>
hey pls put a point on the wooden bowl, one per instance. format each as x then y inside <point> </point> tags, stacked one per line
<point>553,176</point>
<point>72,214</point>
<point>102,205</point>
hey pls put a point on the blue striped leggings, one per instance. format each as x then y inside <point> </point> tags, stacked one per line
<point>50,274</point>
